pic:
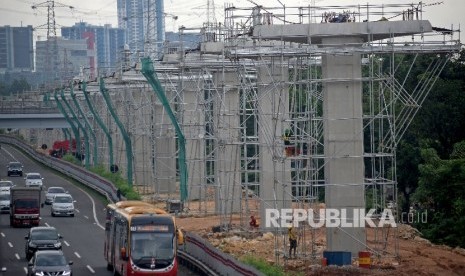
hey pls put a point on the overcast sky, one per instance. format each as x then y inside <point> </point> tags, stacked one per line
<point>191,13</point>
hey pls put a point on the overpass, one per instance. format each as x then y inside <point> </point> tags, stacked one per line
<point>31,114</point>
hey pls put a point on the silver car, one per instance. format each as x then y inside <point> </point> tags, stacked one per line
<point>5,185</point>
<point>51,192</point>
<point>5,201</point>
<point>62,205</point>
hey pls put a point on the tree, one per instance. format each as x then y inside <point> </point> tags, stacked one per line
<point>431,155</point>
<point>441,193</point>
<point>408,158</point>
<point>20,85</point>
<point>3,89</point>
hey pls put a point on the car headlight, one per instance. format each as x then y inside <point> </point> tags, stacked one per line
<point>65,273</point>
<point>39,273</point>
<point>32,245</point>
<point>57,245</point>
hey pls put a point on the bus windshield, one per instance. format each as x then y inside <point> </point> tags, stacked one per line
<point>151,245</point>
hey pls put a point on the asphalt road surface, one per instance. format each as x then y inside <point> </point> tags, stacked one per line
<point>83,234</point>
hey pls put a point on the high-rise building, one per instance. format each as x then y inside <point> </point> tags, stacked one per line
<point>144,25</point>
<point>16,49</point>
<point>73,55</point>
<point>108,41</point>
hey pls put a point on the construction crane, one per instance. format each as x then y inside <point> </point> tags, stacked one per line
<point>172,16</point>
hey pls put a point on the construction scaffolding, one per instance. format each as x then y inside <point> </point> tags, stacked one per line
<point>252,103</point>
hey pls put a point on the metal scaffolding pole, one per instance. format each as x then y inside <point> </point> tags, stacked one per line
<point>100,123</point>
<point>87,125</point>
<point>127,139</point>
<point>86,136</point>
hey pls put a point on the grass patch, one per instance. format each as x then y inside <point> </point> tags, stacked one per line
<point>263,266</point>
<point>71,159</point>
<point>120,183</point>
<point>115,178</point>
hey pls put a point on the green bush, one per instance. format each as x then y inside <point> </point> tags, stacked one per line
<point>118,180</point>
<point>70,158</point>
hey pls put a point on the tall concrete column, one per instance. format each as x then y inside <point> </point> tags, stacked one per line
<point>226,114</point>
<point>194,131</point>
<point>343,137</point>
<point>343,143</point>
<point>165,149</point>
<point>141,137</point>
<point>275,170</point>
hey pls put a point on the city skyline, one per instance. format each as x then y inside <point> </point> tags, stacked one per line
<point>191,14</point>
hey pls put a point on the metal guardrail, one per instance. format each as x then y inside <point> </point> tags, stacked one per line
<point>216,261</point>
<point>28,107</point>
<point>194,264</point>
<point>87,178</point>
<point>29,110</point>
<point>196,252</point>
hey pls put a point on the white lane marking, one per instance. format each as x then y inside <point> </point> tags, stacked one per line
<point>3,235</point>
<point>17,256</point>
<point>77,210</point>
<point>48,225</point>
<point>25,269</point>
<point>67,244</point>
<point>93,209</point>
<point>86,217</point>
<point>90,269</point>
<point>77,255</point>
<point>11,155</point>
<point>10,244</point>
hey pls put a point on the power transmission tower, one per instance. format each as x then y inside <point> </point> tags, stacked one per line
<point>154,23</point>
<point>211,12</point>
<point>51,49</point>
<point>150,43</point>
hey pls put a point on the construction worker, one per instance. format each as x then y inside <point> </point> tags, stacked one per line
<point>286,137</point>
<point>253,222</point>
<point>292,239</point>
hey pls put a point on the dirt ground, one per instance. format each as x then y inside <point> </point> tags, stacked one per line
<point>399,251</point>
<point>416,256</point>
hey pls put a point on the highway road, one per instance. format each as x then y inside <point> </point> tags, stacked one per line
<point>83,234</point>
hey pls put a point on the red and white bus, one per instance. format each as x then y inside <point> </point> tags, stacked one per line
<point>140,239</point>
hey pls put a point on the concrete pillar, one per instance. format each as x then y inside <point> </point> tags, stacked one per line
<point>141,139</point>
<point>119,103</point>
<point>99,104</point>
<point>194,132</point>
<point>343,144</point>
<point>275,170</point>
<point>165,149</point>
<point>228,173</point>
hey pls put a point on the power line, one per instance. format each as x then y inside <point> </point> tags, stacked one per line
<point>51,47</point>
<point>51,24</point>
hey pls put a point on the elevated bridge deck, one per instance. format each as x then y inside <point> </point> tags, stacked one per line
<point>31,114</point>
